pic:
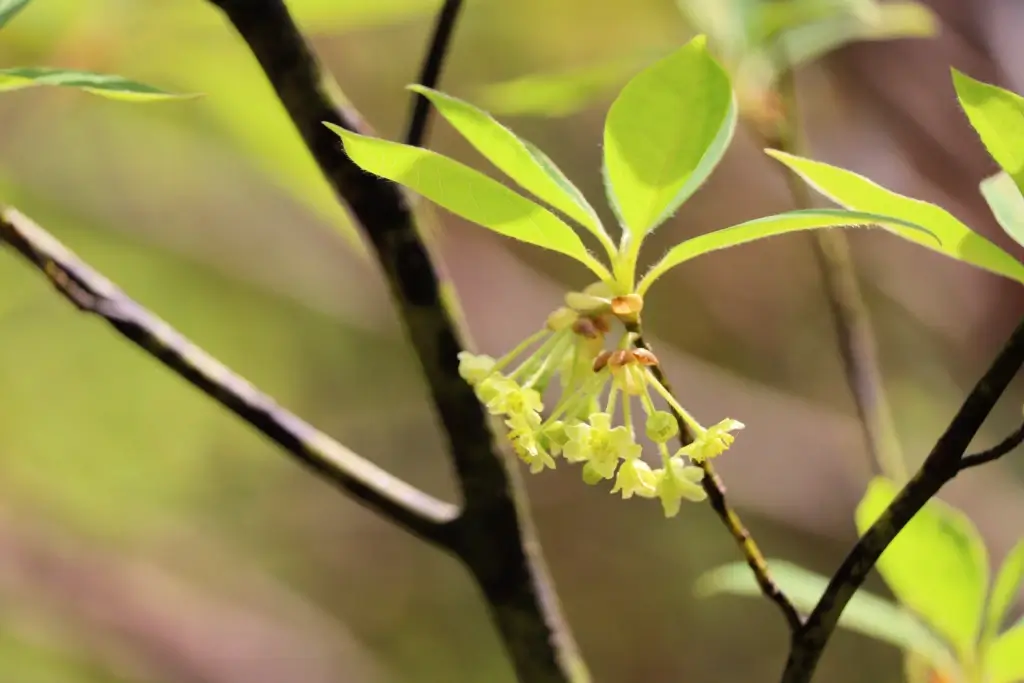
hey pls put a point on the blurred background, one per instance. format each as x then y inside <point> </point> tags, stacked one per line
<point>146,535</point>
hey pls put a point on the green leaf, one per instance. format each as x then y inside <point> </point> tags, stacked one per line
<point>770,226</point>
<point>664,135</point>
<point>1004,661</point>
<point>557,94</point>
<point>867,614</point>
<point>806,43</point>
<point>1006,203</point>
<point>857,193</point>
<point>1004,590</point>
<point>998,116</point>
<point>518,159</point>
<point>9,8</point>
<point>466,193</point>
<point>105,85</point>
<point>937,566</point>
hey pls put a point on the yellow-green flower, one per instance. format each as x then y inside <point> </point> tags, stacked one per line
<point>524,431</point>
<point>635,477</point>
<point>600,445</point>
<point>678,481</point>
<point>661,426</point>
<point>473,368</point>
<point>715,440</point>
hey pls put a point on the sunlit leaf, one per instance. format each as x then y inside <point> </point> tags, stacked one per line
<point>1005,590</point>
<point>937,565</point>
<point>105,85</point>
<point>857,193</point>
<point>661,133</point>
<point>998,116</point>
<point>521,161</point>
<point>1004,661</point>
<point>1006,202</point>
<point>559,93</point>
<point>867,614</point>
<point>770,226</point>
<point>466,193</point>
<point>9,8</point>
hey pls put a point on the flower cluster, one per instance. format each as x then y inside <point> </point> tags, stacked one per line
<point>597,385</point>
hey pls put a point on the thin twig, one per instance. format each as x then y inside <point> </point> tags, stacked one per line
<point>999,450</point>
<point>419,119</point>
<point>851,319</point>
<point>941,465</point>
<point>493,536</point>
<point>383,493</point>
<point>715,489</point>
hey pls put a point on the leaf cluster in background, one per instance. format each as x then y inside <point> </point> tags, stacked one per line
<point>755,39</point>
<point>938,570</point>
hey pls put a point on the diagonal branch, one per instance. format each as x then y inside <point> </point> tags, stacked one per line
<point>387,495</point>
<point>431,73</point>
<point>715,489</point>
<point>493,536</point>
<point>941,465</point>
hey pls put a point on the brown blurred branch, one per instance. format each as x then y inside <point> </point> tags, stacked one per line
<point>942,464</point>
<point>90,292</point>
<point>715,489</point>
<point>851,319</point>
<point>493,535</point>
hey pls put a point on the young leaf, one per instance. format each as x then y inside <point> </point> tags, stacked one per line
<point>557,94</point>
<point>806,219</point>
<point>1004,660</point>
<point>998,116</point>
<point>105,85</point>
<point>1006,202</point>
<point>466,193</point>
<point>671,117</point>
<point>857,193</point>
<point>806,43</point>
<point>9,8</point>
<point>937,566</point>
<point>867,614</point>
<point>1004,591</point>
<point>519,160</point>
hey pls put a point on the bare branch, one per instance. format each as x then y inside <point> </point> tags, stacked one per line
<point>387,495</point>
<point>941,465</point>
<point>999,450</point>
<point>431,73</point>
<point>493,535</point>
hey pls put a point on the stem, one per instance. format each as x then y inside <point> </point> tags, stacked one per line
<point>719,503</point>
<point>430,73</point>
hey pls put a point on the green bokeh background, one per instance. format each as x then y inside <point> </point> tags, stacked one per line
<point>145,535</point>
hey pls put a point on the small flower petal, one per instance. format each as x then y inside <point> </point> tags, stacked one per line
<point>635,477</point>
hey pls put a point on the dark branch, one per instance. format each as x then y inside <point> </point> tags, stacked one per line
<point>493,535</point>
<point>999,450</point>
<point>715,489</point>
<point>430,74</point>
<point>941,465</point>
<point>383,493</point>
